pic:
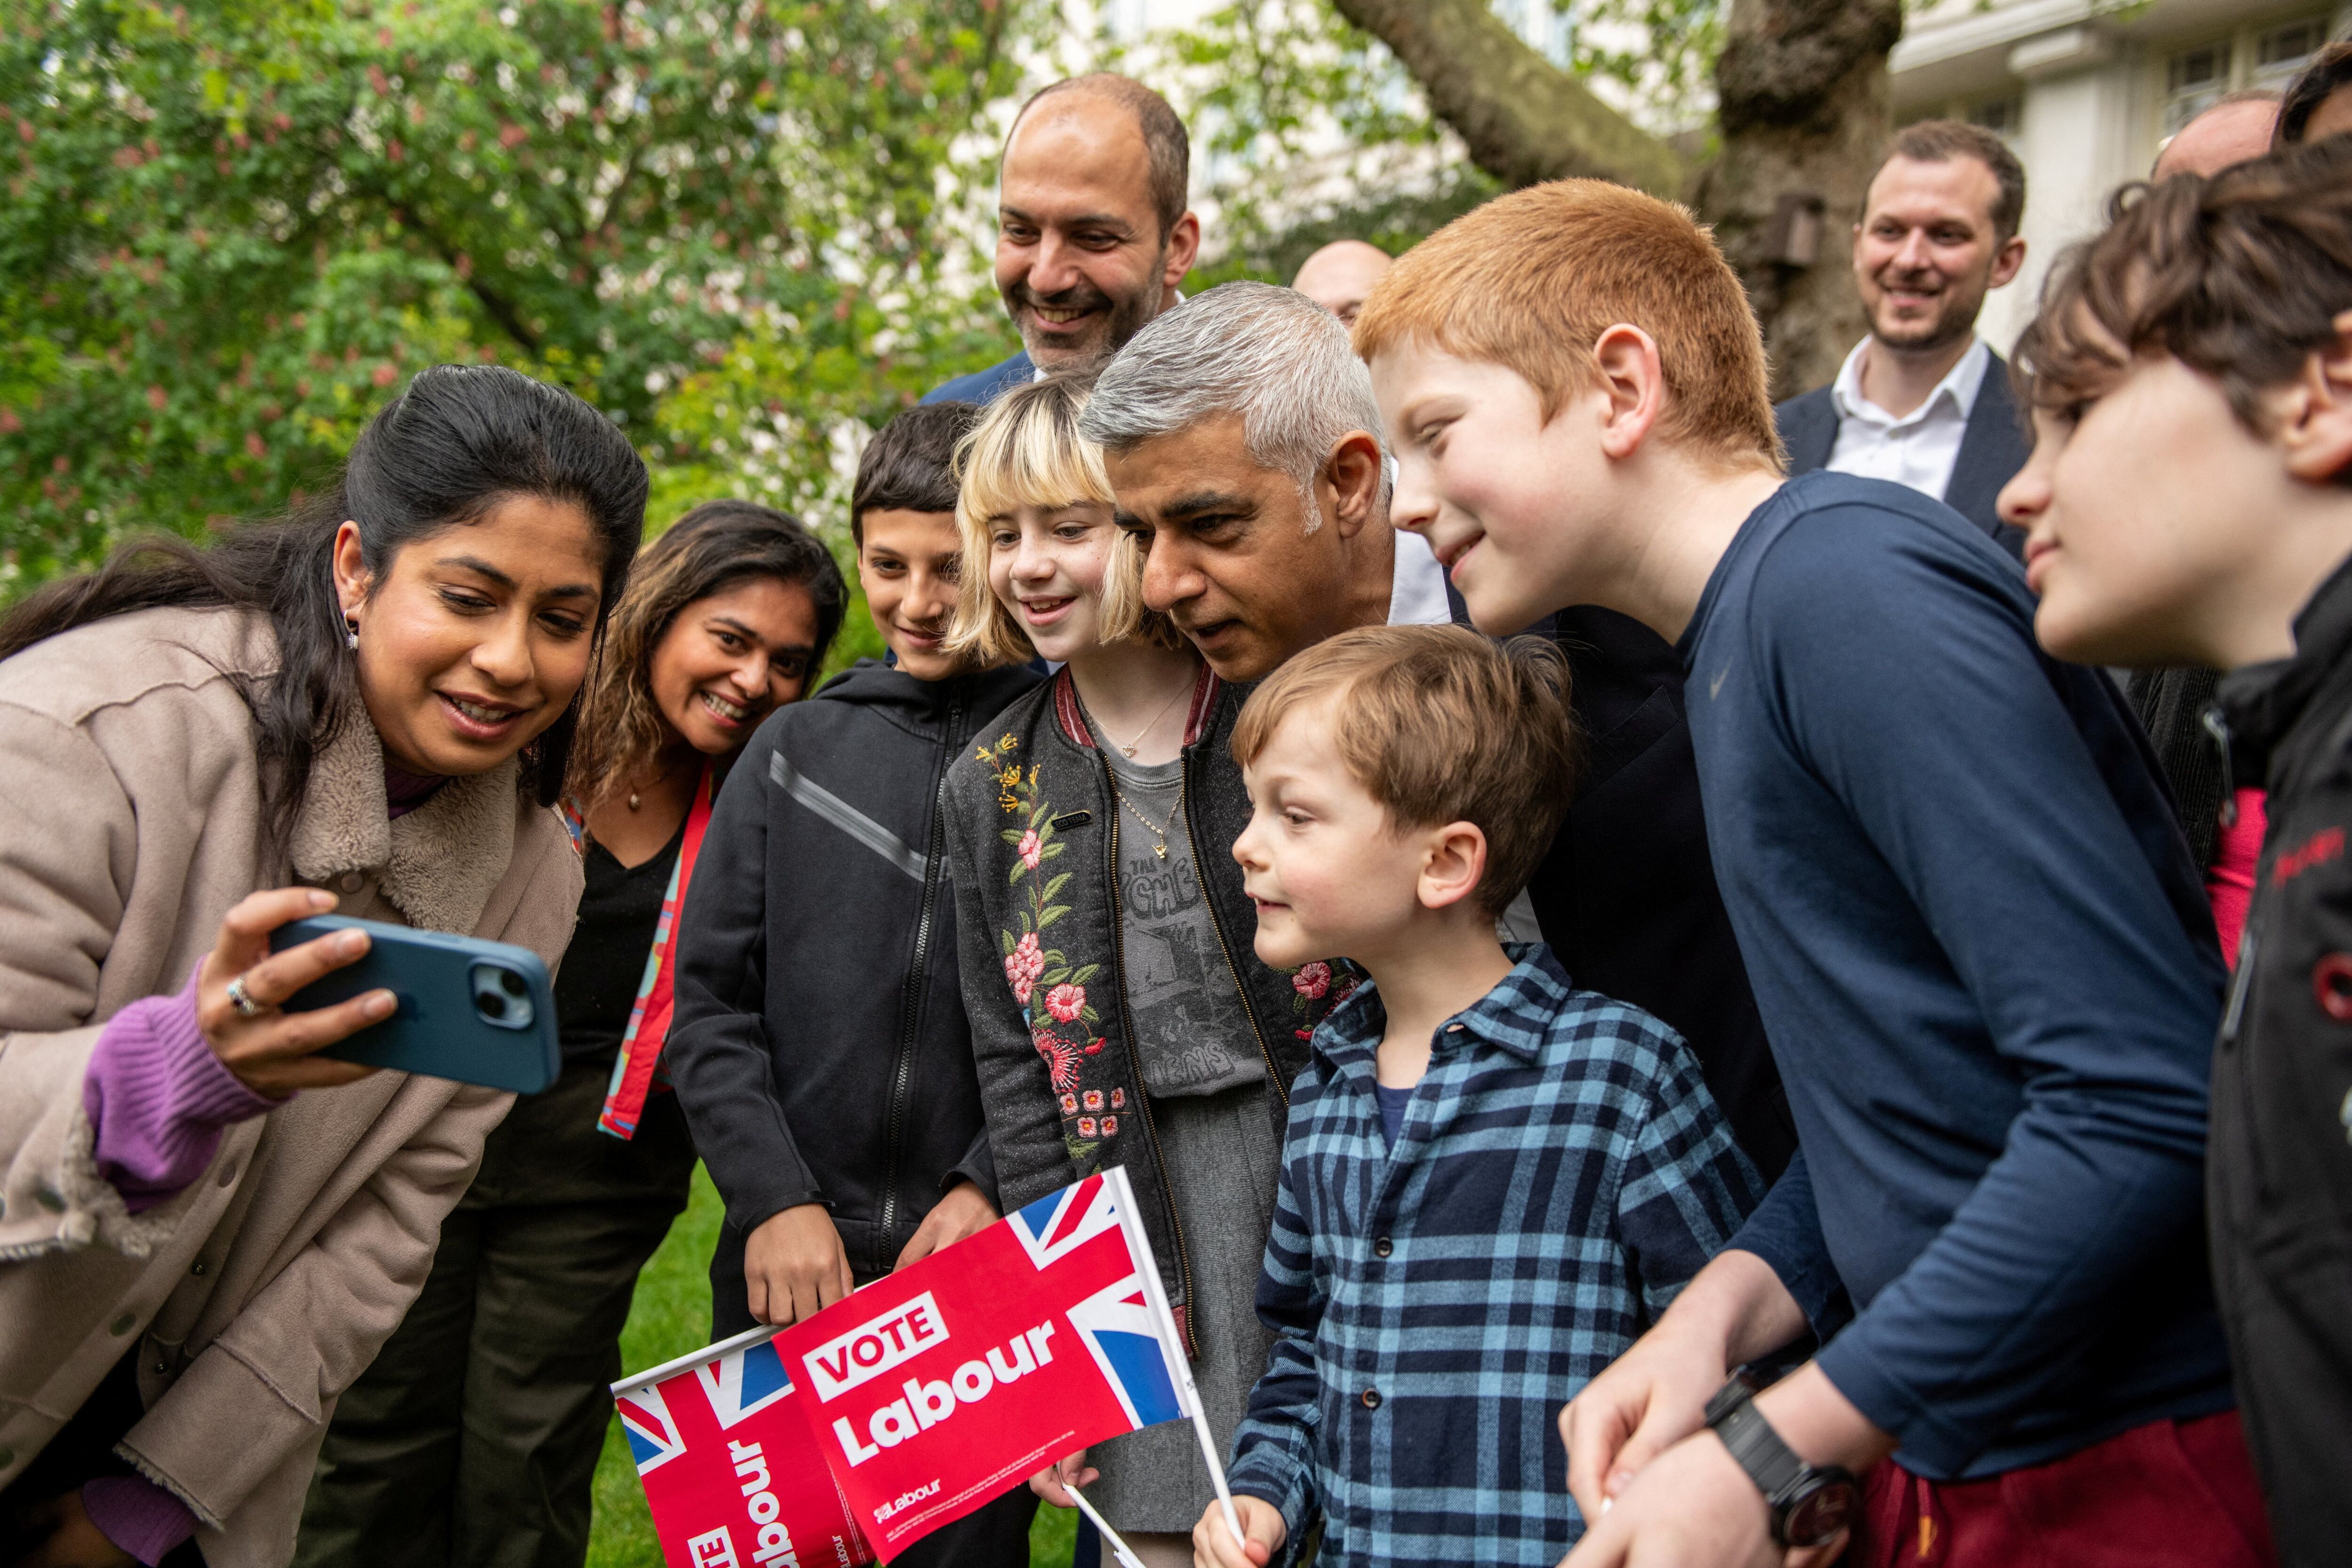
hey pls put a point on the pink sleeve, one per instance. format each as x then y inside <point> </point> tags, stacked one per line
<point>137,1515</point>
<point>157,1098</point>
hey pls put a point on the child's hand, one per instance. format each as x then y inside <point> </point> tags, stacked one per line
<point>1213,1539</point>
<point>962,1212</point>
<point>794,1266</point>
<point>1073,1472</point>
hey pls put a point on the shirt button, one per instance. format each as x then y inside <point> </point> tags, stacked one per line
<point>1383,1247</point>
<point>352,881</point>
<point>228,1172</point>
<point>199,1268</point>
<point>1371,1398</point>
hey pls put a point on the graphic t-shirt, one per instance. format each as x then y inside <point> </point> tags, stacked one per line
<point>1192,1033</point>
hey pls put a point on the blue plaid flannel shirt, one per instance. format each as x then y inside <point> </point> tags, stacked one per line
<point>1562,1172</point>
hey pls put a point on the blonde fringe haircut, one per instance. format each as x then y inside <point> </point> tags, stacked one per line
<point>1026,452</point>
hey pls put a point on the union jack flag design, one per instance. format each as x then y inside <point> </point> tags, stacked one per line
<point>653,1436</point>
<point>745,1383</point>
<point>1058,1224</point>
<point>1118,1325</point>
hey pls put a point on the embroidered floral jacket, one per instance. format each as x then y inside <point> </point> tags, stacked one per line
<point>1033,842</point>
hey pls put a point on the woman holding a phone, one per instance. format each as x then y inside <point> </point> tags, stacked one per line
<point>210,1228</point>
<point>476,1432</point>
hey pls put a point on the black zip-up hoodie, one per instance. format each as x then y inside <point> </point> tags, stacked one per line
<point>2279,1173</point>
<point>819,1044</point>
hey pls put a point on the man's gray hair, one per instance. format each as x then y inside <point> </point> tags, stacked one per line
<point>1271,355</point>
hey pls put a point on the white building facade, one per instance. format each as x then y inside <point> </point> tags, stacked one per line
<point>2087,92</point>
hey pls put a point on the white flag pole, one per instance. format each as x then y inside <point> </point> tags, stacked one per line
<point>1171,1342</point>
<point>1118,1548</point>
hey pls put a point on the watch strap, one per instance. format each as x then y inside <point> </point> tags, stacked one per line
<point>1770,1463</point>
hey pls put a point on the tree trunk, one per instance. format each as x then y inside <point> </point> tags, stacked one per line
<point>1804,111</point>
<point>1523,117</point>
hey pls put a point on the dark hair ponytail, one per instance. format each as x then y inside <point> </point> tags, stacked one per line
<point>454,443</point>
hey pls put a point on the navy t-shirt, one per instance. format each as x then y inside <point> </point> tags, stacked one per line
<point>1988,972</point>
<point>1393,1104</point>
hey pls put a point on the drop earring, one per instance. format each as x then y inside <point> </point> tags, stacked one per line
<point>351,632</point>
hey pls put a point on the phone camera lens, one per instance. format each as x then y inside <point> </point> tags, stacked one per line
<point>492,1004</point>
<point>513,983</point>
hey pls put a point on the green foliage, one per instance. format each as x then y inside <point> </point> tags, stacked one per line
<point>233,225</point>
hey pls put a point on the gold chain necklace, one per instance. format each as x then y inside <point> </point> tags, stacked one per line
<point>1129,749</point>
<point>1159,849</point>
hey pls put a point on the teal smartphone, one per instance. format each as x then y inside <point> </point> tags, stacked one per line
<point>471,1009</point>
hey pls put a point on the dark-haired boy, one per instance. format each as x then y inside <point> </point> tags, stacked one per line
<point>1981,952</point>
<point>820,1048</point>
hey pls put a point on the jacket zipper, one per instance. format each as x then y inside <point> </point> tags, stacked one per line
<point>1135,1073</point>
<point>918,984</point>
<point>2219,729</point>
<point>1249,1006</point>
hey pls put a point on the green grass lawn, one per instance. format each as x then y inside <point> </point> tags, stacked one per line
<point>671,1316</point>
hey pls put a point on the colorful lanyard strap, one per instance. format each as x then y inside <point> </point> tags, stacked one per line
<point>634,1070</point>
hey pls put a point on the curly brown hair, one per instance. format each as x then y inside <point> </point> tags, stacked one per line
<point>709,551</point>
<point>2241,277</point>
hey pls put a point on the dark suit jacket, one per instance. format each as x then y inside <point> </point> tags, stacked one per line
<point>1994,448</point>
<point>1627,896</point>
<point>985,386</point>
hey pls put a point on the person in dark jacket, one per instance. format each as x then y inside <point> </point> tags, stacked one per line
<point>1136,1027</point>
<point>819,1047</point>
<point>2188,503</point>
<point>1923,400</point>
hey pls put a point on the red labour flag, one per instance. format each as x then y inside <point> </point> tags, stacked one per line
<point>732,1471</point>
<point>942,1385</point>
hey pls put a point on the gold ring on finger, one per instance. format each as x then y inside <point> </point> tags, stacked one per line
<point>242,999</point>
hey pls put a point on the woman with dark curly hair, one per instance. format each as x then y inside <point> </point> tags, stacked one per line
<point>474,1438</point>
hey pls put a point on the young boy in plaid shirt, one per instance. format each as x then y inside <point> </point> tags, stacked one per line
<point>1491,1181</point>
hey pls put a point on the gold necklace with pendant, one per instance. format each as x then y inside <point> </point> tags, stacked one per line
<point>1159,849</point>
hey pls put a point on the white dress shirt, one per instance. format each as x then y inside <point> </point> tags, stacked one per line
<point>1417,585</point>
<point>1918,449</point>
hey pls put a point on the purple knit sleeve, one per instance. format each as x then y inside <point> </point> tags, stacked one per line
<point>137,1515</point>
<point>157,1098</point>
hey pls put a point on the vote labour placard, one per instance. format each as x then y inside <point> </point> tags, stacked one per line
<point>935,1389</point>
<point>731,1468</point>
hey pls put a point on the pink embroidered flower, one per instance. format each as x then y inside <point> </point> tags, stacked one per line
<point>1313,979</point>
<point>1086,1126</point>
<point>1022,965</point>
<point>1066,1002</point>
<point>1060,1060</point>
<point>1032,849</point>
<point>1344,992</point>
<point>1118,1099</point>
<point>1091,1099</point>
<point>1110,1126</point>
<point>1069,1104</point>
<point>1094,1046</point>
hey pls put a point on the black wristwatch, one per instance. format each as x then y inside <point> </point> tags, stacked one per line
<point>1809,1503</point>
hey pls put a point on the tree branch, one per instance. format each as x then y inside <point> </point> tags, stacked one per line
<point>500,308</point>
<point>1523,117</point>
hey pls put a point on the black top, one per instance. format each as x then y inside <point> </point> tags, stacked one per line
<point>605,963</point>
<point>819,1047</point>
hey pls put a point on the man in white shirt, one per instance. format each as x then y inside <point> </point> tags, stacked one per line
<point>1923,400</point>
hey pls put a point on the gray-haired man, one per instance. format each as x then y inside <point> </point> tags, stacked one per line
<point>1239,433</point>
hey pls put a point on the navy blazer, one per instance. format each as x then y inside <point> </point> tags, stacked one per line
<point>1994,447</point>
<point>985,386</point>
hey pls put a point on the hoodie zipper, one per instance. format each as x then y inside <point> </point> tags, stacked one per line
<point>918,986</point>
<point>2219,729</point>
<point>1135,1076</point>
<point>1249,1005</point>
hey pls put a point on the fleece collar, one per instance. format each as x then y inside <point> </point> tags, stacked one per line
<point>437,864</point>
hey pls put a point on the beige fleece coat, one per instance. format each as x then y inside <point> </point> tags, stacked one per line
<point>131,820</point>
